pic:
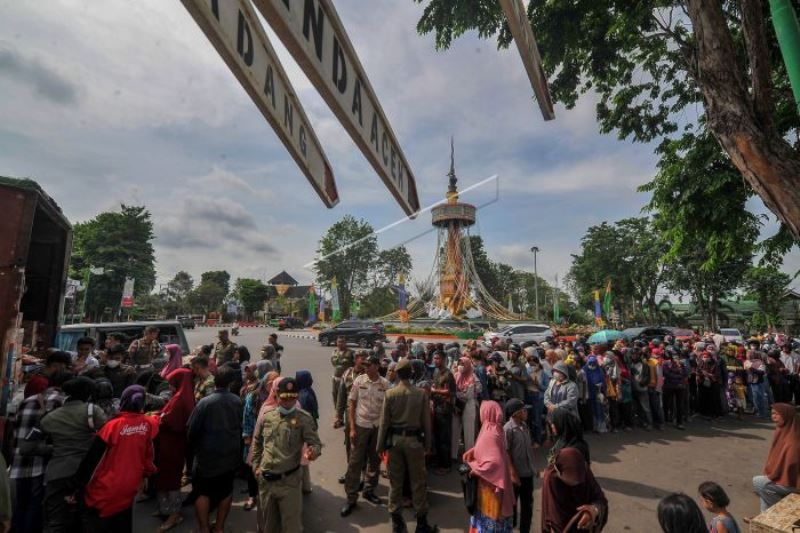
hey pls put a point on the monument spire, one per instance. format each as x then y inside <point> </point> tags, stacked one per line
<point>452,189</point>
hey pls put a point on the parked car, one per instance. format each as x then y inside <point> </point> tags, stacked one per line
<point>361,332</point>
<point>647,333</point>
<point>289,322</point>
<point>519,333</point>
<point>170,332</point>
<point>732,335</point>
<point>187,322</point>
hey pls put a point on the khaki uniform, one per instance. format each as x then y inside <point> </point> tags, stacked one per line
<point>341,361</point>
<point>224,352</point>
<point>277,447</point>
<point>368,398</point>
<point>141,353</point>
<point>345,385</point>
<point>406,421</point>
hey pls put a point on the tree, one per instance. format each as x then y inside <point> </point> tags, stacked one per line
<point>218,277</point>
<point>629,254</point>
<point>121,244</point>
<point>377,302</point>
<point>252,293</point>
<point>767,285</point>
<point>391,263</point>
<point>348,251</point>
<point>212,290</point>
<point>652,63</point>
<point>180,286</point>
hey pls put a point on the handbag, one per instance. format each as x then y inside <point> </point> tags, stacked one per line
<point>469,486</point>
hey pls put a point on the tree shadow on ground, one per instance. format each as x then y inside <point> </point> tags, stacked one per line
<point>631,488</point>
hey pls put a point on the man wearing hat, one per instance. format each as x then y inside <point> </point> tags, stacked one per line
<point>520,450</point>
<point>363,414</point>
<point>342,416</point>
<point>277,447</point>
<point>405,430</point>
<point>224,349</point>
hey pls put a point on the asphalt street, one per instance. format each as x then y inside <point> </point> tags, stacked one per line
<point>635,469</point>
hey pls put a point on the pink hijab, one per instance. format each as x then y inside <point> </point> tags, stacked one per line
<point>490,459</point>
<point>175,360</point>
<point>270,403</point>
<point>466,376</point>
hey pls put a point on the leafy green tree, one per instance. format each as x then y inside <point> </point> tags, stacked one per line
<point>379,301</point>
<point>390,264</point>
<point>653,63</point>
<point>212,290</point>
<point>252,293</point>
<point>348,251</point>
<point>219,277</point>
<point>767,285</point>
<point>629,254</point>
<point>181,285</point>
<point>121,244</point>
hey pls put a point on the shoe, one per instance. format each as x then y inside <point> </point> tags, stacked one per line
<point>342,478</point>
<point>307,492</point>
<point>398,524</point>
<point>372,498</point>
<point>423,526</point>
<point>347,509</point>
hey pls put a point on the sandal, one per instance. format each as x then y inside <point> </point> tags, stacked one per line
<point>166,526</point>
<point>249,504</point>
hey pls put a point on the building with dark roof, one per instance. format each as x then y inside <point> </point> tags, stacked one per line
<point>286,297</point>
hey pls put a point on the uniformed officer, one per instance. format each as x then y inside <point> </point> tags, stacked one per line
<point>364,406</point>
<point>142,351</point>
<point>277,446</point>
<point>224,349</point>
<point>405,430</point>
<point>345,385</point>
<point>342,359</point>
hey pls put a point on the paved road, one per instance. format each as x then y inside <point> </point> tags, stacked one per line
<point>635,469</point>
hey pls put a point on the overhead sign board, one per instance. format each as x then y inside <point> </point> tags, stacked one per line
<point>233,28</point>
<point>314,35</point>
<point>529,51</point>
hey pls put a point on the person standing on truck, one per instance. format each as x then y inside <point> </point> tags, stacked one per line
<point>224,349</point>
<point>142,351</point>
<point>84,361</point>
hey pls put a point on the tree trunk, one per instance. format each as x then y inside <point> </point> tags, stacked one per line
<point>768,163</point>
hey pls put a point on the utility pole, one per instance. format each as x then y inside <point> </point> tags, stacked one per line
<point>535,250</point>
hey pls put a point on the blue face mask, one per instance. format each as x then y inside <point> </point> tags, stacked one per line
<point>284,411</point>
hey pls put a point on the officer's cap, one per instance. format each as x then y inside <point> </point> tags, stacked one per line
<point>403,363</point>
<point>287,388</point>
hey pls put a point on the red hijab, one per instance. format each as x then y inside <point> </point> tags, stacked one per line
<point>466,376</point>
<point>783,460</point>
<point>490,459</point>
<point>175,359</point>
<point>175,414</point>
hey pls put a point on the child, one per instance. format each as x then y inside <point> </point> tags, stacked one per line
<point>714,500</point>
<point>740,394</point>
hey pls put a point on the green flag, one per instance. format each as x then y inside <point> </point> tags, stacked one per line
<point>607,301</point>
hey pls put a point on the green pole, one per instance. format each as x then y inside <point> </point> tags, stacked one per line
<point>788,31</point>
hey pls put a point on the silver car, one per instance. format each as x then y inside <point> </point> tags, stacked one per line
<point>519,333</point>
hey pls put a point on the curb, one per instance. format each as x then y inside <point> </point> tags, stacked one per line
<point>306,336</point>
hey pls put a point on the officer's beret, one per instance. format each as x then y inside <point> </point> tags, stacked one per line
<point>287,388</point>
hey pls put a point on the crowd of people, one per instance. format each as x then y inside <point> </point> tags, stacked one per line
<point>98,429</point>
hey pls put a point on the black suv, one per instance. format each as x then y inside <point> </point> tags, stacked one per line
<point>361,332</point>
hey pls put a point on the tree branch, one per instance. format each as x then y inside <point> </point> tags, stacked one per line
<point>758,57</point>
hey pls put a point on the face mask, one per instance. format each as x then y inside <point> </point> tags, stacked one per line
<point>284,411</point>
<point>112,363</point>
<point>560,377</point>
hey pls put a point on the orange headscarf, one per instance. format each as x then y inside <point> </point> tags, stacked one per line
<point>783,460</point>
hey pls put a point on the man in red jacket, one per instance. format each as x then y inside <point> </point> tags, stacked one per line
<point>121,456</point>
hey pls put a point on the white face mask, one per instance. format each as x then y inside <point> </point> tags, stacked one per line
<point>112,363</point>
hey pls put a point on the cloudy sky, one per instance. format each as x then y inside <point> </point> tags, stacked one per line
<point>127,102</point>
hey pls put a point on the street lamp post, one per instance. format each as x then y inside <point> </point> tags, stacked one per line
<point>535,250</point>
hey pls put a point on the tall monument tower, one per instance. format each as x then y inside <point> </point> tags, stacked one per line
<point>453,217</point>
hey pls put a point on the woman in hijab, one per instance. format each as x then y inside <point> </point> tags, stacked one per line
<point>489,462</point>
<point>251,382</point>
<point>569,489</point>
<point>465,416</point>
<point>172,443</point>
<point>782,470</point>
<point>174,360</point>
<point>568,432</point>
<point>596,391</point>
<point>307,399</point>
<point>120,456</point>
